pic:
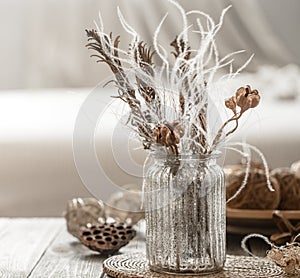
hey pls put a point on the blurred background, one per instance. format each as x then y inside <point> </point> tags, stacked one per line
<point>46,74</point>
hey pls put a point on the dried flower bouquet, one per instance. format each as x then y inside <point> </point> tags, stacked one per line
<point>169,100</point>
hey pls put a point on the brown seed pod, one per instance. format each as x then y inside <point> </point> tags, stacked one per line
<point>247,98</point>
<point>166,135</point>
<point>107,238</point>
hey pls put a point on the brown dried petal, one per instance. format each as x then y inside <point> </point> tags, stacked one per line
<point>231,103</point>
<point>241,91</point>
<point>242,101</point>
<point>164,132</point>
<point>255,98</point>
<point>172,139</point>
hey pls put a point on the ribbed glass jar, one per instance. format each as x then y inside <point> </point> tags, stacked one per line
<point>185,214</point>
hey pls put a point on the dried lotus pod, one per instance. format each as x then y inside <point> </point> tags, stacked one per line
<point>107,238</point>
<point>289,188</point>
<point>83,211</point>
<point>256,194</point>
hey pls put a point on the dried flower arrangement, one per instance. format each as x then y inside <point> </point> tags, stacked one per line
<point>169,101</point>
<point>169,108</point>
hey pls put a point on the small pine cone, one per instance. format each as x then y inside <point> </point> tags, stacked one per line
<point>107,238</point>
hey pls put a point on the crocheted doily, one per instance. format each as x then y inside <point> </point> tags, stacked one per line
<point>135,266</point>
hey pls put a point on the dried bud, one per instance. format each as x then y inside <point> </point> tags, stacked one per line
<point>255,98</point>
<point>247,98</point>
<point>172,139</point>
<point>160,134</point>
<point>163,133</point>
<point>167,135</point>
<point>231,104</point>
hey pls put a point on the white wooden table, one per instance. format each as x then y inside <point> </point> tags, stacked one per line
<point>42,247</point>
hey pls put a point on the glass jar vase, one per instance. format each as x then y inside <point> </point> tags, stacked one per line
<point>185,204</point>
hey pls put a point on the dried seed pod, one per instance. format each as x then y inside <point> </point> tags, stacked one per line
<point>247,98</point>
<point>107,238</point>
<point>166,135</point>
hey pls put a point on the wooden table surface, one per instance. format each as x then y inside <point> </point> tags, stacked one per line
<point>42,247</point>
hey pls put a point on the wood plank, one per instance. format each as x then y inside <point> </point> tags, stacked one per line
<point>138,244</point>
<point>22,243</point>
<point>67,257</point>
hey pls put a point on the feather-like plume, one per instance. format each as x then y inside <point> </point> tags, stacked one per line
<point>169,100</point>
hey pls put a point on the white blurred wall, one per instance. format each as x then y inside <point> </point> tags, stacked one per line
<point>42,42</point>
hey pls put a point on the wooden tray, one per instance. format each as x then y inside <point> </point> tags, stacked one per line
<point>245,221</point>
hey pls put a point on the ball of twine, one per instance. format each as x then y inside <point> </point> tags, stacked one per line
<point>256,194</point>
<point>289,188</point>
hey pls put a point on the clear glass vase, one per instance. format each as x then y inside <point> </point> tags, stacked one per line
<point>185,203</point>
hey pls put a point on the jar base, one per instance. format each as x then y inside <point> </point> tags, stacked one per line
<point>185,273</point>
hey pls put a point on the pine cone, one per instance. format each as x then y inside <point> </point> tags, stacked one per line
<point>107,238</point>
